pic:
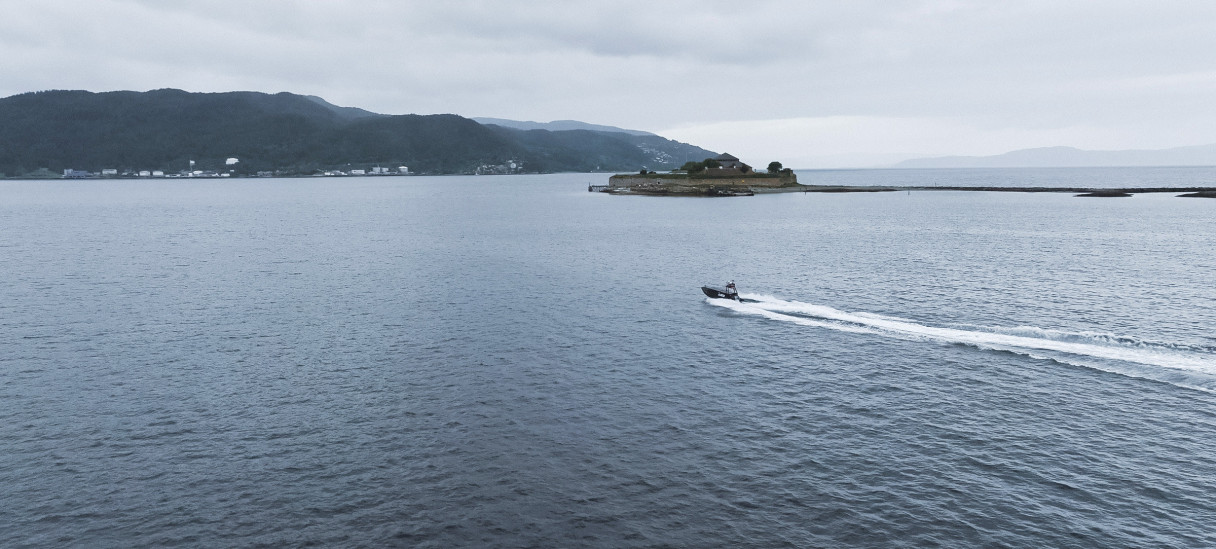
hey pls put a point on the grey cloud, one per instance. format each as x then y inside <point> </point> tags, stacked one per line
<point>644,64</point>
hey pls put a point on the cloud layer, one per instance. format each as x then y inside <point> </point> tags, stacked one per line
<point>809,81</point>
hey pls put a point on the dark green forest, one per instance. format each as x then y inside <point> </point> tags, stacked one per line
<point>290,134</point>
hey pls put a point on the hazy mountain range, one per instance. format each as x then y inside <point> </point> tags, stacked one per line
<point>557,125</point>
<point>1069,157</point>
<point>296,134</point>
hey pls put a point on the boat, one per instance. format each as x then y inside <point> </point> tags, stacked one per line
<point>726,292</point>
<point>720,292</point>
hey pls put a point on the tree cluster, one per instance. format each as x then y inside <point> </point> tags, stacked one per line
<point>693,166</point>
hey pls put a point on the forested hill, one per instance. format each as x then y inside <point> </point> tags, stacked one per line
<point>291,134</point>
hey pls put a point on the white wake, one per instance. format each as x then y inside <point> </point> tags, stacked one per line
<point>1182,365</point>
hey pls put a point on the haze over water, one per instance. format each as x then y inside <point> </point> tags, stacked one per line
<point>512,361</point>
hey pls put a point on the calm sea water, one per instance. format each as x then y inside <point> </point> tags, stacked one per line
<point>1091,178</point>
<point>516,362</point>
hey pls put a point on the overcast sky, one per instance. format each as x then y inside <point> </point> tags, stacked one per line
<point>813,84</point>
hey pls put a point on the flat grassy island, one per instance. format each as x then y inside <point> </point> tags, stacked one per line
<point>723,175</point>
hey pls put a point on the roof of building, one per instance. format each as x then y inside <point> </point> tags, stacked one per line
<point>726,157</point>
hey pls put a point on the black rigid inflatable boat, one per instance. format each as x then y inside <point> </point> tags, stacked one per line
<point>725,292</point>
<point>718,292</point>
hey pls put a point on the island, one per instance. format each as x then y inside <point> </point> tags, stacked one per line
<point>723,175</point>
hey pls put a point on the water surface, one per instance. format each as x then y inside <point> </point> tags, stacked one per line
<point>512,361</point>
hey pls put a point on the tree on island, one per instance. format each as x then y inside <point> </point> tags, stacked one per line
<point>774,167</point>
<point>692,166</point>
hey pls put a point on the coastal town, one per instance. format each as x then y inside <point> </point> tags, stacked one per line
<point>508,167</point>
<point>113,173</point>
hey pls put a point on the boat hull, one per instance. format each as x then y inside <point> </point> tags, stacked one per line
<point>719,293</point>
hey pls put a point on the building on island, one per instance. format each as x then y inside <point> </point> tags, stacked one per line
<point>726,162</point>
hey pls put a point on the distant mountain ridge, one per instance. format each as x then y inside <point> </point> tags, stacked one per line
<point>347,113</point>
<point>556,125</point>
<point>288,133</point>
<point>1069,157</point>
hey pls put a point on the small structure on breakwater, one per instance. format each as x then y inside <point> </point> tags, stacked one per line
<point>723,175</point>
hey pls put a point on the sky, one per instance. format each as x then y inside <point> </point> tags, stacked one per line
<point>813,84</point>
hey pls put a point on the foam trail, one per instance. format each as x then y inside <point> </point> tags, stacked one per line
<point>1188,366</point>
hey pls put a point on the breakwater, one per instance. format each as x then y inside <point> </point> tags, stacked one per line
<point>1191,192</point>
<point>744,190</point>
